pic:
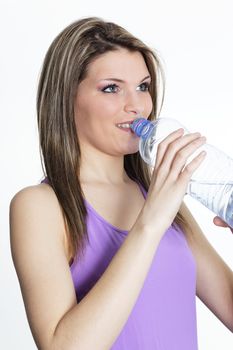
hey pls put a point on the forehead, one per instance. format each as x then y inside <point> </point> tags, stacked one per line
<point>119,63</point>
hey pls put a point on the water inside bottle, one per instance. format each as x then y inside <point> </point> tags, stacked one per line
<point>218,197</point>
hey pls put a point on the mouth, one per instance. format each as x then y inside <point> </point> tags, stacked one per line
<point>125,126</point>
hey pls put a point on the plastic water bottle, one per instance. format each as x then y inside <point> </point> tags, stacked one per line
<point>211,183</point>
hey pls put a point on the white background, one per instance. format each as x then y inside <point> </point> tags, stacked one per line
<point>195,42</point>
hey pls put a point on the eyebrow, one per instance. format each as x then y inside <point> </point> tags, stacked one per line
<point>122,81</point>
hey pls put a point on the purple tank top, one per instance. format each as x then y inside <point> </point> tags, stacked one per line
<point>164,316</point>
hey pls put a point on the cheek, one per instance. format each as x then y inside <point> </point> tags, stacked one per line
<point>98,106</point>
<point>90,117</point>
<point>106,106</point>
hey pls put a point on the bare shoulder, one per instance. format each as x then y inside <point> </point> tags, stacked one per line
<point>35,211</point>
<point>35,196</point>
<point>40,259</point>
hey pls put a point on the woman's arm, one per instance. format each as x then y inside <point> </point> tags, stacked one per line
<point>55,318</point>
<point>37,240</point>
<point>214,277</point>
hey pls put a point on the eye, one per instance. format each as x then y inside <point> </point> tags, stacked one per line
<point>111,88</point>
<point>144,87</point>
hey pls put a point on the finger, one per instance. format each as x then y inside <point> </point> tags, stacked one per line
<point>163,145</point>
<point>164,170</point>
<point>183,155</point>
<point>169,150</point>
<point>189,169</point>
<point>177,155</point>
<point>219,222</point>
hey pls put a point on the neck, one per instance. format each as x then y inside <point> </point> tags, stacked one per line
<point>103,168</point>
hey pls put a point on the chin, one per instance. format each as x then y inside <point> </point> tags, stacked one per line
<point>131,150</point>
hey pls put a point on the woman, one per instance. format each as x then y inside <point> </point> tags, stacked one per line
<point>106,252</point>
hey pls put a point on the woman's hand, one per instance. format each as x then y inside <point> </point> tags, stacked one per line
<point>219,222</point>
<point>171,176</point>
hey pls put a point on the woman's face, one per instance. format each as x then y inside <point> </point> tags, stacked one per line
<point>114,91</point>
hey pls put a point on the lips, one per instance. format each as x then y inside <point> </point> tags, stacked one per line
<point>128,122</point>
<point>125,126</point>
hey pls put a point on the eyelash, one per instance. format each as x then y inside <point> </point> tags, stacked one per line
<point>146,85</point>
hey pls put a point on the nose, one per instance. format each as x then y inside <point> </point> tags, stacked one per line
<point>133,103</point>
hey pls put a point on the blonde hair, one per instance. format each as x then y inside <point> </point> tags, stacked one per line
<point>65,66</point>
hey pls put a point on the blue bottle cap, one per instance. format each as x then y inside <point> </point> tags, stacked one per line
<point>141,127</point>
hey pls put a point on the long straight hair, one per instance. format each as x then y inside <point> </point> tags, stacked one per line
<point>65,66</point>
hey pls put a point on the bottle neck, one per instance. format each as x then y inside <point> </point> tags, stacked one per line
<point>141,127</point>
